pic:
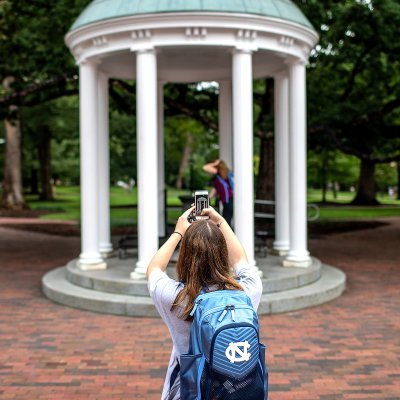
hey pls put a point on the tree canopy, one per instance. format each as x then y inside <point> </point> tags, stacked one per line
<point>33,52</point>
<point>353,99</point>
<point>354,84</point>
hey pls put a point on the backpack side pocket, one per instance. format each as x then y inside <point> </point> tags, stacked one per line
<point>191,370</point>
<point>263,350</point>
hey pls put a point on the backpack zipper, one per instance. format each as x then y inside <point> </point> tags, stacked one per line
<point>196,304</point>
<point>245,306</point>
<point>228,307</point>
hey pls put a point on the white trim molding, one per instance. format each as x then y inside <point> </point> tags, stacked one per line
<point>190,29</point>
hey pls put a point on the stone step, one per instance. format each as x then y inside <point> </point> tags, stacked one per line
<point>57,288</point>
<point>330,286</point>
<point>116,278</point>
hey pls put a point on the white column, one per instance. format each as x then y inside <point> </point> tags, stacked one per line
<point>105,246</point>
<point>282,236</point>
<point>242,85</point>
<point>161,172</point>
<point>298,255</point>
<point>90,257</point>
<point>146,117</point>
<point>225,122</point>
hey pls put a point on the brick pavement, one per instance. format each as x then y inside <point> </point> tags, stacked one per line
<point>346,349</point>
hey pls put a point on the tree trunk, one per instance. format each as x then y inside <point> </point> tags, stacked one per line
<point>366,185</point>
<point>187,151</point>
<point>44,153</point>
<point>324,192</point>
<point>265,188</point>
<point>398,180</point>
<point>12,194</point>
<point>324,175</point>
<point>34,181</point>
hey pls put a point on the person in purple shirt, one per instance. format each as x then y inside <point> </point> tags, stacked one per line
<point>223,186</point>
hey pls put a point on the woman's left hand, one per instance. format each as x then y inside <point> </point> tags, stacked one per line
<point>182,224</point>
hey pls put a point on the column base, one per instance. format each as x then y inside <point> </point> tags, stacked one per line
<point>137,276</point>
<point>105,248</point>
<point>139,272</point>
<point>280,248</point>
<point>297,261</point>
<point>92,266</point>
<point>279,252</point>
<point>108,254</point>
<point>91,260</point>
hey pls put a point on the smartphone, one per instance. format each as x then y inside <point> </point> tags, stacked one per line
<point>201,200</point>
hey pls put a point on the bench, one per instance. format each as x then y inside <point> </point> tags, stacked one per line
<point>126,243</point>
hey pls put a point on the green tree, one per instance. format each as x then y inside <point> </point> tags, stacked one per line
<point>354,84</point>
<point>264,136</point>
<point>35,67</point>
<point>330,168</point>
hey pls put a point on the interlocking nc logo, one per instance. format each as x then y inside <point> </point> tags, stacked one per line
<point>240,349</point>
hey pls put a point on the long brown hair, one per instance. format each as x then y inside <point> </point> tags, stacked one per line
<point>203,262</point>
<point>223,170</point>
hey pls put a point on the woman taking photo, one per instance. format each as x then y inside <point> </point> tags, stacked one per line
<point>210,258</point>
<point>223,186</point>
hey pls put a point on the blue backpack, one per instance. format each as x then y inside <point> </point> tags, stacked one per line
<point>225,358</point>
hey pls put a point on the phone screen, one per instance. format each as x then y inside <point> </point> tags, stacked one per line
<point>201,201</point>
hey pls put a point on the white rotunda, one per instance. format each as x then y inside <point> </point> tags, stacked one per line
<point>227,41</point>
<point>230,42</point>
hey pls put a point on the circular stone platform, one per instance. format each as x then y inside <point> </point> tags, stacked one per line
<point>111,291</point>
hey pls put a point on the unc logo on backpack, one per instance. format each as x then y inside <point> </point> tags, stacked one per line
<point>239,348</point>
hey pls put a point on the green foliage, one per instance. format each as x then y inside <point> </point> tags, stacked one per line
<point>32,48</point>
<point>354,78</point>
<point>122,146</point>
<point>195,177</point>
<point>332,166</point>
<point>61,118</point>
<point>386,175</point>
<point>353,94</point>
<point>204,149</point>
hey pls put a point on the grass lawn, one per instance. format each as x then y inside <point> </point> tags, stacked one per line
<point>330,213</point>
<point>342,209</point>
<point>123,205</point>
<point>124,210</point>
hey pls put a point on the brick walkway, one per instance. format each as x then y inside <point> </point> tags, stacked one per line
<point>346,349</point>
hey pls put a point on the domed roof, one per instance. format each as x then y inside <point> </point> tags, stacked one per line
<point>99,10</point>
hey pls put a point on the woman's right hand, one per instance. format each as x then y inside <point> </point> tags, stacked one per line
<point>214,215</point>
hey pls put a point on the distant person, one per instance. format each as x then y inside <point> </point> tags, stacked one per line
<point>126,186</point>
<point>223,186</point>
